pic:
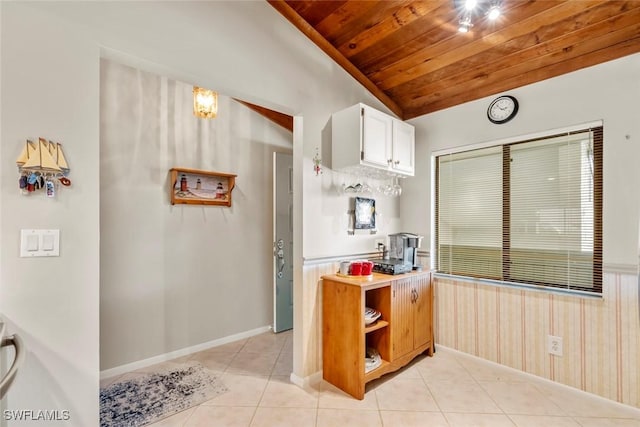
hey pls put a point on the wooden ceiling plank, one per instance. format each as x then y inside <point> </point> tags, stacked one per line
<point>591,23</point>
<point>566,55</point>
<point>316,11</point>
<point>348,18</point>
<point>429,31</point>
<point>281,119</point>
<point>365,19</point>
<point>290,14</point>
<point>610,53</point>
<point>562,11</point>
<point>438,27</point>
<point>610,46</point>
<point>444,38</point>
<point>399,19</point>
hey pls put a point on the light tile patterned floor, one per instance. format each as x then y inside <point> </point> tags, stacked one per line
<point>448,390</point>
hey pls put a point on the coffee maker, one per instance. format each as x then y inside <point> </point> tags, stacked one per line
<point>403,254</point>
<point>404,247</point>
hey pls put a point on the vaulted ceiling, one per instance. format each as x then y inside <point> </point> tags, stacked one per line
<point>410,55</point>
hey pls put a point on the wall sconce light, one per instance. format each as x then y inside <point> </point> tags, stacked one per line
<point>205,103</point>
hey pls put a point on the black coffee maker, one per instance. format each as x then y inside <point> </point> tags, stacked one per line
<point>404,247</point>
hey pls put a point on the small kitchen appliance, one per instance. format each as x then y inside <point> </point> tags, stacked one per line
<point>403,254</point>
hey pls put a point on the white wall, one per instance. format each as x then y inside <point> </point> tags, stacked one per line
<point>50,88</point>
<point>173,277</point>
<point>608,92</point>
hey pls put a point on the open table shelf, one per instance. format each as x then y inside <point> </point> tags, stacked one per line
<point>375,326</point>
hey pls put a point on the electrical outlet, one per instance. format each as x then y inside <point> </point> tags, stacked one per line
<point>554,344</point>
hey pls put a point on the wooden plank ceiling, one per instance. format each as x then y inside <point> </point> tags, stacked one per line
<point>410,55</point>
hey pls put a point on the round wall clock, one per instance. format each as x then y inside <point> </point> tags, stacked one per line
<point>502,109</point>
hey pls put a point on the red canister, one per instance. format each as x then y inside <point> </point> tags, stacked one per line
<point>367,268</point>
<point>356,268</point>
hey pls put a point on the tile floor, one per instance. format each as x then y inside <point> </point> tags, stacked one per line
<point>450,389</point>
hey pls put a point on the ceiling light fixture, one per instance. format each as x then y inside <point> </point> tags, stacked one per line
<point>494,12</point>
<point>205,103</point>
<point>468,9</point>
<point>470,4</point>
<point>465,24</point>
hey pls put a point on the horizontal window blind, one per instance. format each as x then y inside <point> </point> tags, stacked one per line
<point>527,212</point>
<point>469,205</point>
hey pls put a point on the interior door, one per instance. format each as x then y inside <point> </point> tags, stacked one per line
<point>283,241</point>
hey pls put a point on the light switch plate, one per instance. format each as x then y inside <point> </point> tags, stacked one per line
<point>38,243</point>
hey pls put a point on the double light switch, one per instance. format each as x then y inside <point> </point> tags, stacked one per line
<point>34,243</point>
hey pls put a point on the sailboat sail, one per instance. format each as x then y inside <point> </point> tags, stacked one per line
<point>43,157</point>
<point>61,160</point>
<point>28,151</point>
<point>41,160</point>
<point>53,150</point>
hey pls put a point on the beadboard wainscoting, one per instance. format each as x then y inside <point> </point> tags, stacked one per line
<point>506,325</point>
<point>312,314</point>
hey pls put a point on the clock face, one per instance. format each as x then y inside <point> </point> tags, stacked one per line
<point>502,109</point>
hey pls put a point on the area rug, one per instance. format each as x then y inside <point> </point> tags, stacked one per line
<point>149,398</point>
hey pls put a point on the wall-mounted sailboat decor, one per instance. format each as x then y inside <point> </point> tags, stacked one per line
<point>42,166</point>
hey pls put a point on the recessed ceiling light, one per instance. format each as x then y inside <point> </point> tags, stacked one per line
<point>465,24</point>
<point>494,12</point>
<point>470,4</point>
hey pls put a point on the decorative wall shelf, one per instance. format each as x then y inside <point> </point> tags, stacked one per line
<point>198,187</point>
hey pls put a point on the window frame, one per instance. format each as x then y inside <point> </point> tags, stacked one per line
<point>598,129</point>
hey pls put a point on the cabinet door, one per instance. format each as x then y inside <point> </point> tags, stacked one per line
<point>403,147</point>
<point>376,138</point>
<point>402,318</point>
<point>422,328</point>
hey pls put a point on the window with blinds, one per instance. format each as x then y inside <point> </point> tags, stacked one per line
<point>527,212</point>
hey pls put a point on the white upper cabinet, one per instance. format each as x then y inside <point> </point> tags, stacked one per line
<point>377,132</point>
<point>404,142</point>
<point>365,138</point>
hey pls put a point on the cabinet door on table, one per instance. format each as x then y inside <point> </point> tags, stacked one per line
<point>402,318</point>
<point>422,329</point>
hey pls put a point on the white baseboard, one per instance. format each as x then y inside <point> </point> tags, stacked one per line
<point>308,381</point>
<point>118,370</point>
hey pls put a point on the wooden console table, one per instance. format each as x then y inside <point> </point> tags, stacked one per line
<point>403,331</point>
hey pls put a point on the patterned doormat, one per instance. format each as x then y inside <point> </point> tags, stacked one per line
<point>151,397</point>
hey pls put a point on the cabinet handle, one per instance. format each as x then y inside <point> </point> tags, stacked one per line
<point>397,162</point>
<point>389,161</point>
<point>414,296</point>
